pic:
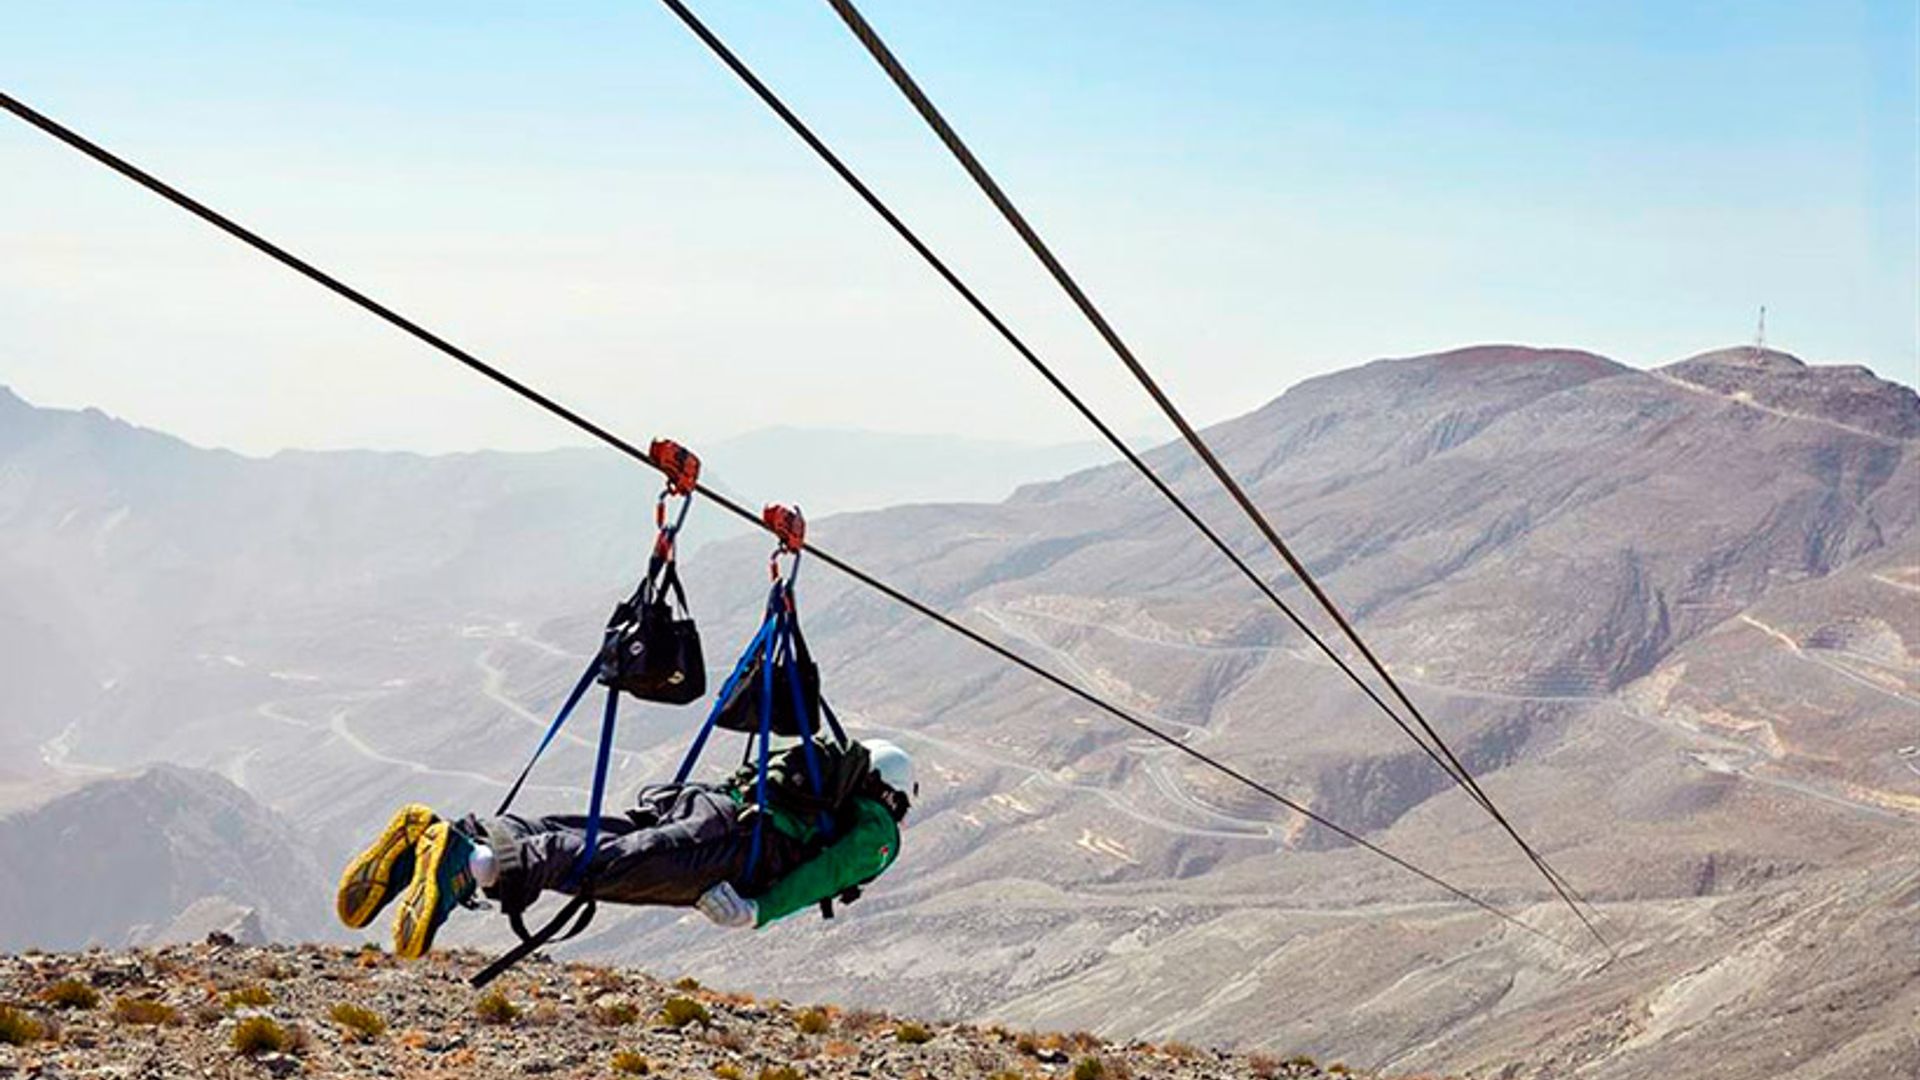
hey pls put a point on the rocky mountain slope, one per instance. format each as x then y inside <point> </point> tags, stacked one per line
<point>218,1010</point>
<point>158,855</point>
<point>1667,616</point>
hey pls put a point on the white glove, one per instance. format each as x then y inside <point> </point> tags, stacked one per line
<point>726,907</point>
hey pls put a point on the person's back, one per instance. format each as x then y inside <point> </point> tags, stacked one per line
<point>819,845</point>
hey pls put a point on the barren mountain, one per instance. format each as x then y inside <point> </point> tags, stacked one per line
<point>164,854</point>
<point>1667,616</point>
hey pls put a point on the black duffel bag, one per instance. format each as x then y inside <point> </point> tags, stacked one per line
<point>653,648</point>
<point>741,709</point>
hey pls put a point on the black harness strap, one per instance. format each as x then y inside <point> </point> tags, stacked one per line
<point>581,909</point>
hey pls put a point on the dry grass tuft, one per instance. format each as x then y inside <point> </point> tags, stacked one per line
<point>357,1023</point>
<point>618,1013</point>
<point>71,994</point>
<point>19,1029</point>
<point>632,1063</point>
<point>679,1012</point>
<point>496,1009</point>
<point>253,996</point>
<point>144,1011</point>
<point>911,1034</point>
<point>259,1035</point>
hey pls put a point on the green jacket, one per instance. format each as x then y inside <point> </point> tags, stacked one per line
<point>868,846</point>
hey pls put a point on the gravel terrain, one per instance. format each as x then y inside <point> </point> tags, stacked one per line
<point>183,1011</point>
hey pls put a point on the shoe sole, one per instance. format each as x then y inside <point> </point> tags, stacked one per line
<point>413,925</point>
<point>367,884</point>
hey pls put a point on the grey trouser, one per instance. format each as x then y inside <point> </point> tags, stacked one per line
<point>678,842</point>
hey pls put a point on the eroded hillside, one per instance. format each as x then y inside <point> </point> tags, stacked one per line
<point>1667,616</point>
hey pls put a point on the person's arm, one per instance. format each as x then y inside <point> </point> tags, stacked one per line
<point>866,849</point>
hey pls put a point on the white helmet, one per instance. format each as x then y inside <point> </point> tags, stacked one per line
<point>891,764</point>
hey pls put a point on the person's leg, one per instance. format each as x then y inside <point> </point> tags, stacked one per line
<point>693,841</point>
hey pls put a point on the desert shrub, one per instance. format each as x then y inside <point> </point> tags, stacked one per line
<point>1302,1061</point>
<point>618,1013</point>
<point>258,1035</point>
<point>779,1072</point>
<point>1007,1074</point>
<point>911,1033</point>
<point>253,996</point>
<point>687,985</point>
<point>1089,1068</point>
<point>71,994</point>
<point>813,1022</point>
<point>729,1072</point>
<point>273,969</point>
<point>130,1010</point>
<point>1264,1066</point>
<point>1339,1068</point>
<point>17,1028</point>
<point>678,1012</point>
<point>494,1008</point>
<point>358,1023</point>
<point>632,1063</point>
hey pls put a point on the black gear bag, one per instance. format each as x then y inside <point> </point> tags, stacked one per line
<point>739,709</point>
<point>652,645</point>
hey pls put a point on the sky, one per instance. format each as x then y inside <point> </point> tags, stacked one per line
<point>1256,193</point>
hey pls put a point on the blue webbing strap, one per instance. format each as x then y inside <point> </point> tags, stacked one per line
<point>600,765</point>
<point>726,691</point>
<point>766,740</point>
<point>553,729</point>
<point>800,717</point>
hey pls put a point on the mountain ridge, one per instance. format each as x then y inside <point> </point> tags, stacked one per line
<point>1661,623</point>
<point>138,850</point>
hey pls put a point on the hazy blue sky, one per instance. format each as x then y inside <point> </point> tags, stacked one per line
<point>1258,192</point>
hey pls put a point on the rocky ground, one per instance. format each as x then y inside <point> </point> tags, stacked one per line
<point>223,1010</point>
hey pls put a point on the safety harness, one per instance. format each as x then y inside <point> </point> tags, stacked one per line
<point>649,649</point>
<point>774,688</point>
<point>653,652</point>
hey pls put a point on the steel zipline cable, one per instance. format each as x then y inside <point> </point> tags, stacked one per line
<point>347,292</point>
<point>877,48</point>
<point>1442,756</point>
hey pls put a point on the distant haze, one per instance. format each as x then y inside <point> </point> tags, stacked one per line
<point>1258,193</point>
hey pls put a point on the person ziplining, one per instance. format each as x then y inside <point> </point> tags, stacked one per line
<point>804,827</point>
<point>682,845</point>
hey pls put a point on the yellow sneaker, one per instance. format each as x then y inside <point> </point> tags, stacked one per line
<point>442,881</point>
<point>376,874</point>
